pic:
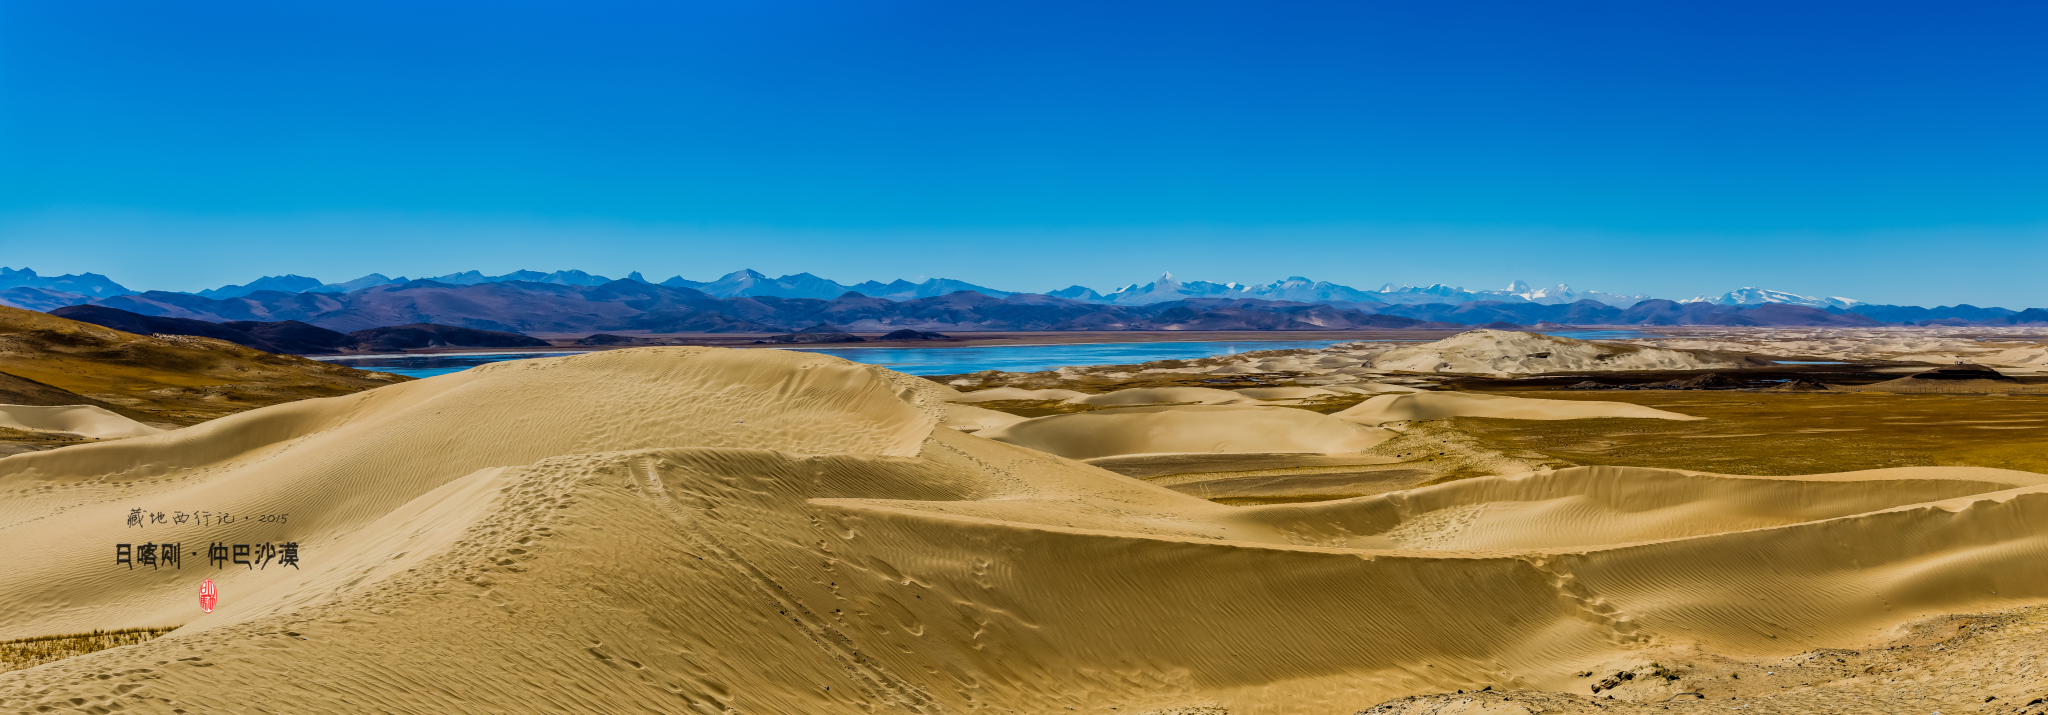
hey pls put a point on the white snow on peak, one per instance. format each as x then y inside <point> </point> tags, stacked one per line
<point>1752,295</point>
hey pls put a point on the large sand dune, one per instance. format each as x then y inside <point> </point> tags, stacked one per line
<point>1440,405</point>
<point>698,530</point>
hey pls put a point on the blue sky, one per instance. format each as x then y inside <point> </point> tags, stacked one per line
<point>1885,151</point>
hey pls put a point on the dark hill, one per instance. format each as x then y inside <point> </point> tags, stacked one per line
<point>908,334</point>
<point>606,339</point>
<point>1963,372</point>
<point>429,335</point>
<point>288,337</point>
<point>291,337</point>
<point>820,333</point>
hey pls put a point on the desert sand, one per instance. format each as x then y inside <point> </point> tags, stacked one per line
<point>968,418</point>
<point>1174,395</point>
<point>1510,352</point>
<point>1249,429</point>
<point>1371,366</point>
<point>707,530</point>
<point>1012,393</point>
<point>1440,405</point>
<point>82,420</point>
<point>2004,347</point>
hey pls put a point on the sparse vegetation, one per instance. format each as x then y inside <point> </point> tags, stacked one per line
<point>31,652</point>
<point>1770,434</point>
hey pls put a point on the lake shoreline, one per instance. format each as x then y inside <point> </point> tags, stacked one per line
<point>563,342</point>
<point>911,358</point>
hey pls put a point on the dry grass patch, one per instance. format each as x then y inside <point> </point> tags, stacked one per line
<point>1769,434</point>
<point>31,652</point>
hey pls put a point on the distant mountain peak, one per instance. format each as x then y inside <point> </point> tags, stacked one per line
<point>1752,295</point>
<point>86,284</point>
<point>288,283</point>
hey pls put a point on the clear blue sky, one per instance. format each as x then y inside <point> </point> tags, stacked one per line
<point>1887,151</point>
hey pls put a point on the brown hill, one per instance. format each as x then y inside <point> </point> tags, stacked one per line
<point>167,378</point>
<point>1963,379</point>
<point>16,390</point>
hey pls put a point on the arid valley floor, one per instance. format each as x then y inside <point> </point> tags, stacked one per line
<point>1763,520</point>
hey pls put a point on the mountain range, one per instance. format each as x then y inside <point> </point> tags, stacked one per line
<point>564,302</point>
<point>629,305</point>
<point>1299,289</point>
<point>77,289</point>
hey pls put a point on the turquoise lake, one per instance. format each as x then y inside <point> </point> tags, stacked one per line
<point>914,361</point>
<point>941,361</point>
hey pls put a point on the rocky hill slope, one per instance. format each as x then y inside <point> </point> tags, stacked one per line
<point>178,379</point>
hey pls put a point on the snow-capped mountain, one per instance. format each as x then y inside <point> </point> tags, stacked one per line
<point>1561,294</point>
<point>1751,295</point>
<point>1168,288</point>
<point>30,290</point>
<point>1297,288</point>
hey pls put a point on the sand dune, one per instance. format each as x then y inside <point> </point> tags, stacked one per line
<point>2005,347</point>
<point>2024,356</point>
<point>968,418</point>
<point>1140,396</point>
<point>697,530</point>
<point>1373,388</point>
<point>1000,394</point>
<point>1519,353</point>
<point>1441,405</point>
<point>82,420</point>
<point>1288,393</point>
<point>1212,428</point>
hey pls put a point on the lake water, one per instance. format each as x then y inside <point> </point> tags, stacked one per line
<point>431,365</point>
<point>943,361</point>
<point>914,361</point>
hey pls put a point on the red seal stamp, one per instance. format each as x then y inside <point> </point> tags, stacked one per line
<point>208,596</point>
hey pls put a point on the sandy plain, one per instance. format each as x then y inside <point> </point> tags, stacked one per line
<point>704,530</point>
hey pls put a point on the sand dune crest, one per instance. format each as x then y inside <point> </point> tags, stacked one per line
<point>1181,429</point>
<point>82,420</point>
<point>1441,405</point>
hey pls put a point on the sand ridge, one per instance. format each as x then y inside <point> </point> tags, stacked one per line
<point>2018,347</point>
<point>968,418</point>
<point>1441,405</point>
<point>702,530</point>
<point>82,420</point>
<point>1188,429</point>
<point>1508,352</point>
